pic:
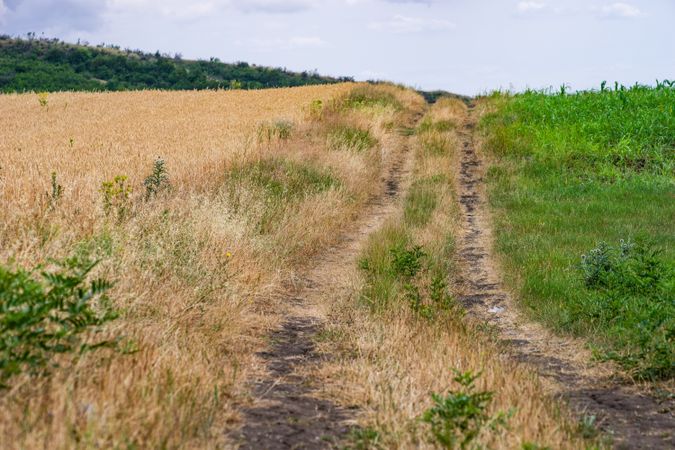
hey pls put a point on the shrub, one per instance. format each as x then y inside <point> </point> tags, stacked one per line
<point>628,268</point>
<point>158,180</point>
<point>52,313</point>
<point>407,262</point>
<point>458,418</point>
<point>629,295</point>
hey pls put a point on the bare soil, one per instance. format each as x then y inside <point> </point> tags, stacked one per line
<point>286,413</point>
<point>626,413</point>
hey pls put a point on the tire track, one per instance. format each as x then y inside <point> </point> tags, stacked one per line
<point>285,413</point>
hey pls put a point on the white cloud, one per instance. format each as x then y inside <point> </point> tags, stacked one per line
<point>406,24</point>
<point>529,6</point>
<point>621,10</point>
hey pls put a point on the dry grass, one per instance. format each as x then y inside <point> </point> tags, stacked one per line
<point>392,359</point>
<point>195,276</point>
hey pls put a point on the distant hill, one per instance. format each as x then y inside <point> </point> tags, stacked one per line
<point>51,65</point>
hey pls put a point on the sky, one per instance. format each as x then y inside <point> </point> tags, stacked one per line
<point>464,46</point>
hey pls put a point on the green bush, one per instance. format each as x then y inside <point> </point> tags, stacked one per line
<point>630,295</point>
<point>46,313</point>
<point>457,418</point>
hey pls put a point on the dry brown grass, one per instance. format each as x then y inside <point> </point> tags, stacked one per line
<point>392,360</point>
<point>195,279</point>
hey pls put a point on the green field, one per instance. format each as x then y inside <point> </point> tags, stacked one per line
<point>583,192</point>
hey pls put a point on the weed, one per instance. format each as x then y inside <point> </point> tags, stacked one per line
<point>158,180</point>
<point>116,196</point>
<point>365,439</point>
<point>56,192</point>
<point>458,418</point>
<point>407,262</point>
<point>43,316</point>
<point>43,99</point>
<point>587,427</point>
<point>279,130</point>
<point>316,109</point>
<point>534,446</point>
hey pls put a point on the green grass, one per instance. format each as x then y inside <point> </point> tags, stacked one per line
<point>572,171</point>
<point>427,125</point>
<point>370,96</point>
<point>421,201</point>
<point>280,183</point>
<point>350,138</point>
<point>398,270</point>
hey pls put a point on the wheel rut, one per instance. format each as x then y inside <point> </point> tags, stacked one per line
<point>286,413</point>
<point>634,420</point>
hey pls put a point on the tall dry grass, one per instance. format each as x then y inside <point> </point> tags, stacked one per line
<point>195,276</point>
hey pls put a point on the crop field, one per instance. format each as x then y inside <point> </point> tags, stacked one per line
<point>337,266</point>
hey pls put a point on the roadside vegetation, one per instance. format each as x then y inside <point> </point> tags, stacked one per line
<point>422,375</point>
<point>582,188</point>
<point>143,238</point>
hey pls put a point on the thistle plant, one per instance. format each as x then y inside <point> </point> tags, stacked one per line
<point>56,192</point>
<point>158,180</point>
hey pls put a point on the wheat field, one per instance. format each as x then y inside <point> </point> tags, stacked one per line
<point>194,276</point>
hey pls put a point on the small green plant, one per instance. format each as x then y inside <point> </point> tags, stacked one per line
<point>57,191</point>
<point>407,262</point>
<point>416,301</point>
<point>534,446</point>
<point>279,130</point>
<point>587,427</point>
<point>116,196</point>
<point>235,84</point>
<point>50,313</point>
<point>459,417</point>
<point>43,99</point>
<point>316,109</point>
<point>365,439</point>
<point>158,180</point>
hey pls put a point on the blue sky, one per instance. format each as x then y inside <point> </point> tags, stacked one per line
<point>459,45</point>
